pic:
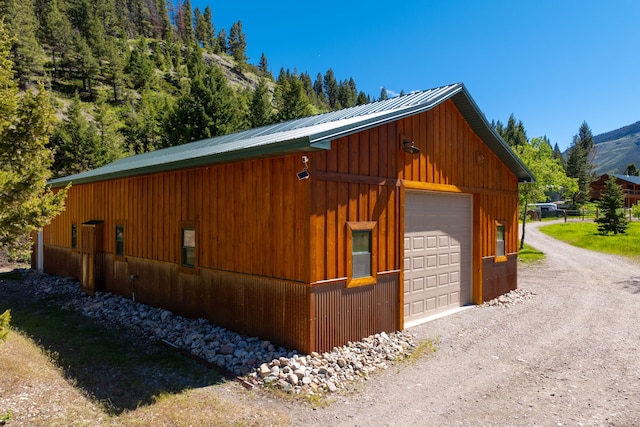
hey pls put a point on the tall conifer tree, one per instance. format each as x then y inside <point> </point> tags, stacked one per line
<point>25,125</point>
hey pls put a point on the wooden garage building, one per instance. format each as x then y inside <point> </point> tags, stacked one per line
<point>308,233</point>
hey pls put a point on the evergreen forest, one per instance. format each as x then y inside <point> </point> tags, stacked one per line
<point>131,76</point>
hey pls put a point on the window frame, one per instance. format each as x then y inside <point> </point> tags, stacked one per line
<point>121,256</point>
<point>357,227</point>
<point>501,257</point>
<point>184,267</point>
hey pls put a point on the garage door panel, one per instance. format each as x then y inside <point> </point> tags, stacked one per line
<point>432,261</point>
<point>432,281</point>
<point>438,230</point>
<point>418,263</point>
<point>443,260</point>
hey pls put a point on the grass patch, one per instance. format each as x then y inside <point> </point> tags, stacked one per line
<point>530,254</point>
<point>106,362</point>
<point>423,349</point>
<point>585,235</point>
<point>82,372</point>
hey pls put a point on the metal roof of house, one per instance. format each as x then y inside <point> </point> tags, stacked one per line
<point>305,134</point>
<point>632,179</point>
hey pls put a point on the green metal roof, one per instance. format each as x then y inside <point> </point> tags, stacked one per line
<point>303,135</point>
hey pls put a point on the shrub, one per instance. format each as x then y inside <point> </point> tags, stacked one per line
<point>5,318</point>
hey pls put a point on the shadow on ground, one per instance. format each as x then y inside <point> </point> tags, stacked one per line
<point>116,368</point>
<point>632,284</point>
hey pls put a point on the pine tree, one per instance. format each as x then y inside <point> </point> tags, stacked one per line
<point>330,85</point>
<point>199,27</point>
<point>206,109</point>
<point>115,64</point>
<point>579,163</point>
<point>557,154</point>
<point>26,52</point>
<point>221,45</point>
<point>362,99</point>
<point>56,32</point>
<point>514,133</point>
<point>260,110</point>
<point>144,121</point>
<point>238,45</point>
<point>383,94</point>
<point>165,22</point>
<point>86,65</point>
<point>291,99</point>
<point>25,125</point>
<point>205,34</point>
<point>110,142</point>
<point>318,88</point>
<point>187,17</point>
<point>75,142</point>
<point>631,170</point>
<point>611,203</point>
<point>263,66</point>
<point>141,67</point>
<point>347,93</point>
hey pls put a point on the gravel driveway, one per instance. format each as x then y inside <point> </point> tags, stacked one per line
<point>566,357</point>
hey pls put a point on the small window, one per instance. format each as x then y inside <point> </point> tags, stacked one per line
<point>500,241</point>
<point>361,250</point>
<point>74,236</point>
<point>119,240</point>
<point>361,253</point>
<point>188,247</point>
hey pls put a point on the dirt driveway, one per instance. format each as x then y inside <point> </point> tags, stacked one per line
<point>567,357</point>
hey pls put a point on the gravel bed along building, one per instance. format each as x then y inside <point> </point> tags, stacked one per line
<point>259,362</point>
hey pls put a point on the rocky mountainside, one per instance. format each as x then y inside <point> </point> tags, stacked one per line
<point>616,149</point>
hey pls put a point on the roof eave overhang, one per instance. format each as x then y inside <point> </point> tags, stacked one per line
<point>293,146</point>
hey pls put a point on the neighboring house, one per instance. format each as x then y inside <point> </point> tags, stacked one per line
<point>308,233</point>
<point>630,187</point>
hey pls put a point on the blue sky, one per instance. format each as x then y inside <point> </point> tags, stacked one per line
<point>553,64</point>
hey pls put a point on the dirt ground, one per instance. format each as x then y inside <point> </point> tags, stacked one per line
<point>566,357</point>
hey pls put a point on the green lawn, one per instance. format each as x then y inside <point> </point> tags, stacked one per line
<point>585,235</point>
<point>530,254</point>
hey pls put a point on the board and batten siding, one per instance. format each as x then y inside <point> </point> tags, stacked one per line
<point>250,217</point>
<point>363,176</point>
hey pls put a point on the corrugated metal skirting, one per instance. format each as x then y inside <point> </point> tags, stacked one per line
<point>350,314</point>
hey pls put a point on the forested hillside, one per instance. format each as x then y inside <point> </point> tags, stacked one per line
<point>129,76</point>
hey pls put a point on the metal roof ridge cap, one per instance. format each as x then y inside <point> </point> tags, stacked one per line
<point>388,116</point>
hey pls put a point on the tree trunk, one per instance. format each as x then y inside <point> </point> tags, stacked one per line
<point>524,222</point>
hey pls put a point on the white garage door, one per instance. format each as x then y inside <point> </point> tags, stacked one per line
<point>437,254</point>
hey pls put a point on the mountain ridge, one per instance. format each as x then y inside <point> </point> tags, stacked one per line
<point>616,149</point>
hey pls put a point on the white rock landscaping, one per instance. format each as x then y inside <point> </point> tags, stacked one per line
<point>259,362</point>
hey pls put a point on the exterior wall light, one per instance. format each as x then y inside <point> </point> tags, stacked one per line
<point>408,146</point>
